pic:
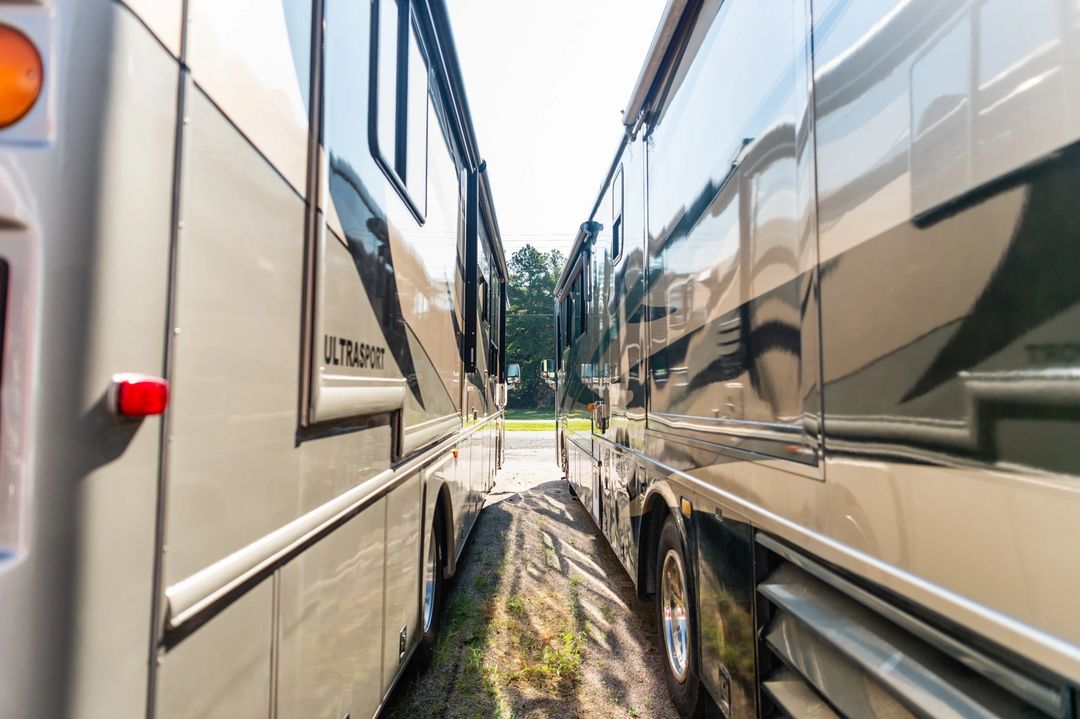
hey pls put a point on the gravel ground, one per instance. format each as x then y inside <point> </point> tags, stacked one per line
<point>541,620</point>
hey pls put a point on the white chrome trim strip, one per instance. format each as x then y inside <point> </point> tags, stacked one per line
<point>423,433</point>
<point>338,396</point>
<point>1046,650</point>
<point>665,32</point>
<point>190,597</point>
<point>1047,698</point>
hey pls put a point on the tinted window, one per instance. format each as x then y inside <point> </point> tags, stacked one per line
<point>345,96</point>
<point>482,293</point>
<point>401,103</point>
<point>386,79</point>
<point>483,274</point>
<point>579,292</point>
<point>568,316</point>
<point>617,216</point>
<point>736,87</point>
<point>416,123</point>
<point>723,224</point>
<point>559,336</point>
<point>298,25</point>
<point>493,299</point>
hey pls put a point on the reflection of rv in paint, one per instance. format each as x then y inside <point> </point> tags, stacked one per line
<point>286,245</point>
<point>824,318</point>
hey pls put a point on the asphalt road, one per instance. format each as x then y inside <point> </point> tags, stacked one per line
<point>541,620</point>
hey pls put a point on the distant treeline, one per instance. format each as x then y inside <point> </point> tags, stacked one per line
<point>530,333</point>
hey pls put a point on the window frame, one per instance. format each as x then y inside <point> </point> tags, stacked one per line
<point>583,305</point>
<point>483,299</point>
<point>485,295</point>
<point>560,310</point>
<point>576,298</point>
<point>618,212</point>
<point>501,349</point>
<point>568,317</point>
<point>406,22</point>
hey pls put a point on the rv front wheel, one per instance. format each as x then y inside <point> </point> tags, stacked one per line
<point>434,561</point>
<point>676,622</point>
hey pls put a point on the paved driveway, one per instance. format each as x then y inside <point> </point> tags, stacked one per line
<point>541,620</point>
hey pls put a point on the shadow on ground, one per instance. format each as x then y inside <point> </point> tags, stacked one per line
<point>541,621</point>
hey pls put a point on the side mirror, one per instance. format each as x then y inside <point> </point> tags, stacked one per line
<point>513,375</point>
<point>548,372</point>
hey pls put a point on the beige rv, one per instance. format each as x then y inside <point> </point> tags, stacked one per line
<point>252,370</point>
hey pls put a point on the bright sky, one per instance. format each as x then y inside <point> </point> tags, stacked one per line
<point>547,82</point>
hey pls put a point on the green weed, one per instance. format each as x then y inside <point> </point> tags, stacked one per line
<point>562,656</point>
<point>515,605</point>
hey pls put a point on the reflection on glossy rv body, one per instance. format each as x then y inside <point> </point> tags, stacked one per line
<point>824,319</point>
<point>281,209</point>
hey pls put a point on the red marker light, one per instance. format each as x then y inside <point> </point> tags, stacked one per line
<point>139,395</point>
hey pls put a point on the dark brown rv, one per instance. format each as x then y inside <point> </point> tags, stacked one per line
<point>824,319</point>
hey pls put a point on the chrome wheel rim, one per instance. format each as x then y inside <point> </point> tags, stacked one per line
<point>429,582</point>
<point>673,608</point>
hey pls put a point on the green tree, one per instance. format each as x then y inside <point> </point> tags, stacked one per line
<point>530,322</point>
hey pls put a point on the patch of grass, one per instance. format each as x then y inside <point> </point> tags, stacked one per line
<point>562,657</point>
<point>607,612</point>
<point>577,425</point>
<point>482,582</point>
<point>575,581</point>
<point>461,613</point>
<point>578,609</point>
<point>460,682</point>
<point>474,660</point>
<point>531,413</point>
<point>525,426</point>
<point>515,605</point>
<point>550,558</point>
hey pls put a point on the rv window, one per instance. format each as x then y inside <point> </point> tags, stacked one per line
<point>385,110</point>
<point>616,240</point>
<point>494,295</point>
<point>399,118</point>
<point>568,317</point>
<point>482,298</point>
<point>617,216</point>
<point>502,331</point>
<point>484,274</point>
<point>416,123</point>
<point>583,310</point>
<point>559,337</point>
<point>575,302</point>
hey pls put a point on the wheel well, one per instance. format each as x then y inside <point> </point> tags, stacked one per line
<point>441,516</point>
<point>652,521</point>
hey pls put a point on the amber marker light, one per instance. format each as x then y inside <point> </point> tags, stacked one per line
<point>21,75</point>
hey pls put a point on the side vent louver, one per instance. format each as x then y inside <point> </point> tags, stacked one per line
<point>830,648</point>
